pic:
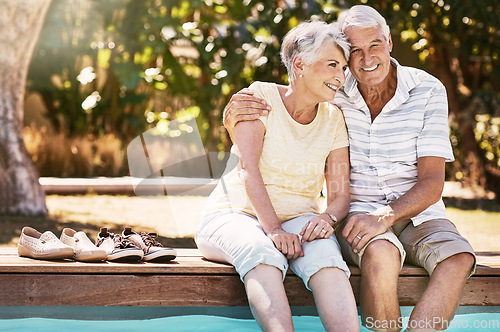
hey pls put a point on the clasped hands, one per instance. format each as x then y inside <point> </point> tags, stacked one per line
<point>290,244</point>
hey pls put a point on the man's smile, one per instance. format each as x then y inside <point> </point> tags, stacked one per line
<point>371,68</point>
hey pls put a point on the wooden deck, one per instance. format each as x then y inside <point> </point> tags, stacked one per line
<point>189,280</point>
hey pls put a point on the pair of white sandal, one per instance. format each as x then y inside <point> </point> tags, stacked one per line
<point>126,247</point>
<point>73,244</point>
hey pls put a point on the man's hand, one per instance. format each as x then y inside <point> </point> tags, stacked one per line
<point>243,106</point>
<point>361,228</point>
<point>287,243</point>
<point>316,228</point>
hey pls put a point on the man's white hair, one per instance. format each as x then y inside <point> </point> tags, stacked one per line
<point>362,16</point>
<point>306,40</point>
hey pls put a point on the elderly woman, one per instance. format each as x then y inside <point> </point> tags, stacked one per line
<point>265,214</point>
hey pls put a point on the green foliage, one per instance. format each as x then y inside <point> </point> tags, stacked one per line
<point>201,52</point>
<point>459,42</point>
<point>74,70</point>
<point>149,61</point>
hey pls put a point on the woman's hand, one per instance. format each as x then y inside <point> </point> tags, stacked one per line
<point>316,228</point>
<point>287,243</point>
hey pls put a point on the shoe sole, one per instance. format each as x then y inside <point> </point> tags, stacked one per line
<point>91,257</point>
<point>125,259</point>
<point>62,254</point>
<point>164,255</point>
<point>126,255</point>
<point>159,257</point>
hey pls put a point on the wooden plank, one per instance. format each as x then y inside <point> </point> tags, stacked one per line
<point>190,290</point>
<point>181,265</point>
<point>121,290</point>
<point>482,291</point>
<point>188,261</point>
<point>189,280</point>
<point>69,267</point>
<point>134,290</point>
<point>478,291</point>
<point>181,252</point>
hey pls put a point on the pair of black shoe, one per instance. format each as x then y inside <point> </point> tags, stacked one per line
<point>131,246</point>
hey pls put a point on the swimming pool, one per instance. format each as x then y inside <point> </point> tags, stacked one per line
<point>180,319</point>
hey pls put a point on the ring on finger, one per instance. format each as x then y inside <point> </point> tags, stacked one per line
<point>359,237</point>
<point>323,231</point>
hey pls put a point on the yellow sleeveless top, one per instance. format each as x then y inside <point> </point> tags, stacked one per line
<point>292,162</point>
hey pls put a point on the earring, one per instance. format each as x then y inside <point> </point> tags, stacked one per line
<point>301,75</point>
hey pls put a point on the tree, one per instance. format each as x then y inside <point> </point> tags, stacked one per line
<point>73,69</point>
<point>155,60</point>
<point>195,54</point>
<point>458,42</point>
<point>20,25</point>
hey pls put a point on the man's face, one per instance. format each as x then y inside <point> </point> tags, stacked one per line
<point>370,60</point>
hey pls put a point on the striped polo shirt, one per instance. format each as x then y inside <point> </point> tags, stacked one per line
<point>384,153</point>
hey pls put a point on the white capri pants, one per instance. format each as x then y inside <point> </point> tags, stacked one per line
<point>238,239</point>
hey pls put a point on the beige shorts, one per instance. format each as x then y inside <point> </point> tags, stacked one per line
<point>425,245</point>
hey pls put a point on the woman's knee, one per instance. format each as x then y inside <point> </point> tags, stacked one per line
<point>263,271</point>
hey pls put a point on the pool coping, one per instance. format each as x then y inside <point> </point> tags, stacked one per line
<point>189,281</point>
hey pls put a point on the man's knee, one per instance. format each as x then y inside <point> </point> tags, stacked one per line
<point>381,250</point>
<point>463,261</point>
<point>381,255</point>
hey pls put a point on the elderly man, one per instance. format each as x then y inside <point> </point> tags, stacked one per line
<point>396,118</point>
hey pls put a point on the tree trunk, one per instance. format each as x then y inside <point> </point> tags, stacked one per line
<point>20,25</point>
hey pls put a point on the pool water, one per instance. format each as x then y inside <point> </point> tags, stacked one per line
<point>477,321</point>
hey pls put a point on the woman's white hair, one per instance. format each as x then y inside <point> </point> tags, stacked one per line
<point>305,41</point>
<point>362,16</point>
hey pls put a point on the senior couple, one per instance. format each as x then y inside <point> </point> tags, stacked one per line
<point>384,177</point>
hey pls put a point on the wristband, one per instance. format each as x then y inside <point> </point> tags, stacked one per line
<point>332,218</point>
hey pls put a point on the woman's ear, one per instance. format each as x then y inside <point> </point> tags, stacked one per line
<point>298,65</point>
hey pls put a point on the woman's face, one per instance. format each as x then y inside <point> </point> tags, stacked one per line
<point>326,75</point>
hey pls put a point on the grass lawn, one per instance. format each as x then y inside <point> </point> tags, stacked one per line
<point>175,219</point>
<point>481,228</point>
